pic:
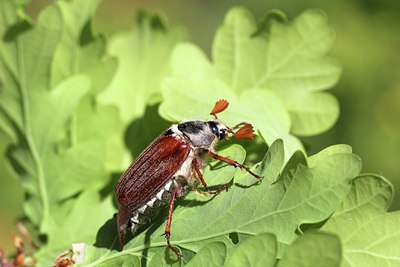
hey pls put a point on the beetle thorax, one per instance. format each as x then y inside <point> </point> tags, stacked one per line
<point>197,133</point>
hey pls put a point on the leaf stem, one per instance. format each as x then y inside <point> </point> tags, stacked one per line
<point>28,134</point>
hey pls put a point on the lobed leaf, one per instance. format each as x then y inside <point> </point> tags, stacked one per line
<point>273,74</point>
<point>370,236</point>
<point>143,54</point>
<point>279,206</point>
<point>259,250</point>
<point>288,59</point>
<point>272,78</point>
<point>48,103</point>
<point>213,254</point>
<point>72,227</point>
<point>215,175</point>
<point>197,91</point>
<point>313,249</point>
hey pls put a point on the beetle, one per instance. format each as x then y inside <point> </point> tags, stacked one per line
<point>169,166</point>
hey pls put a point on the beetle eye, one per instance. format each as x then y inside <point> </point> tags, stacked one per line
<point>214,128</point>
<point>222,134</point>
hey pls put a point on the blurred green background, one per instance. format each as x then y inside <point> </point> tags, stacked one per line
<point>367,44</point>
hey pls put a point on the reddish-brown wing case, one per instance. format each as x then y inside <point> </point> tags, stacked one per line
<point>147,174</point>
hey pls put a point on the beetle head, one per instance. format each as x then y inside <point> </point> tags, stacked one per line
<point>221,130</point>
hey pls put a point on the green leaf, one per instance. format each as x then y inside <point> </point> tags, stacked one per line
<point>370,235</point>
<point>49,71</point>
<point>236,54</point>
<point>41,160</point>
<point>142,131</point>
<point>192,209</point>
<point>289,60</point>
<point>74,227</point>
<point>164,257</point>
<point>259,250</point>
<point>33,51</point>
<point>248,70</point>
<point>279,206</point>
<point>212,254</point>
<point>321,156</point>
<point>95,253</point>
<point>273,75</point>
<point>313,249</point>
<point>25,59</point>
<point>81,50</point>
<point>196,92</point>
<point>143,55</point>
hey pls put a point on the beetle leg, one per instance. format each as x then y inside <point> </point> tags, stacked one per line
<point>232,162</point>
<point>177,193</point>
<point>198,192</point>
<point>200,176</point>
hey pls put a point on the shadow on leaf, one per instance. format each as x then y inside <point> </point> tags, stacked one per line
<point>18,28</point>
<point>107,235</point>
<point>141,132</point>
